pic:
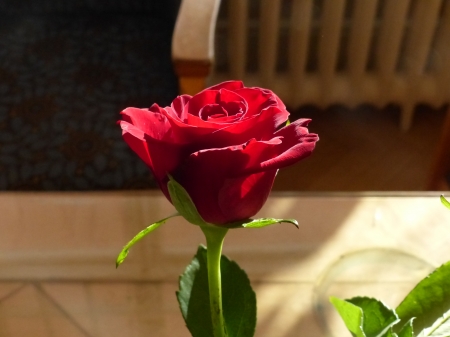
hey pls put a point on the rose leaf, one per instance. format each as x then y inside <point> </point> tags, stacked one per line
<point>445,202</point>
<point>377,317</point>
<point>366,317</point>
<point>239,300</point>
<point>351,314</point>
<point>407,330</point>
<point>391,333</point>
<point>183,203</point>
<point>263,222</point>
<point>440,328</point>
<point>123,254</point>
<point>429,299</point>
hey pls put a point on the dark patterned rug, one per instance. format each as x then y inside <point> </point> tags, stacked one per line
<point>65,75</point>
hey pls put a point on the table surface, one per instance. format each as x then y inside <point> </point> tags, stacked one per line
<point>57,254</point>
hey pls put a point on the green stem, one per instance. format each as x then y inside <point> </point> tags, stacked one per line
<point>214,241</point>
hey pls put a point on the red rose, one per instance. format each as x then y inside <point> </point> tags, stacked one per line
<point>223,145</point>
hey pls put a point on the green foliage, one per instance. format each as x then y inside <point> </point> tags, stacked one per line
<point>429,299</point>
<point>239,300</point>
<point>377,317</point>
<point>365,317</point>
<point>407,330</point>
<point>124,252</point>
<point>263,222</point>
<point>426,309</point>
<point>440,328</point>
<point>351,314</point>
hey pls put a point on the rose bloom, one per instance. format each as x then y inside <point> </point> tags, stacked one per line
<point>224,145</point>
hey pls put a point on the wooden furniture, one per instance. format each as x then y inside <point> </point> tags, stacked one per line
<point>440,169</point>
<point>193,43</point>
<point>57,253</point>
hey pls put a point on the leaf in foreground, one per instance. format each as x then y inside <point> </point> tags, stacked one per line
<point>239,300</point>
<point>440,328</point>
<point>407,330</point>
<point>351,314</point>
<point>125,250</point>
<point>366,317</point>
<point>429,299</point>
<point>377,317</point>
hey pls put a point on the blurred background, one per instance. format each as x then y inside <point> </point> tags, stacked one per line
<point>372,75</point>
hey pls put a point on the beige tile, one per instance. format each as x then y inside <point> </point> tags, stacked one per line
<point>112,309</point>
<point>29,313</point>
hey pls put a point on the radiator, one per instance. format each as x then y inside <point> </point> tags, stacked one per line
<point>348,52</point>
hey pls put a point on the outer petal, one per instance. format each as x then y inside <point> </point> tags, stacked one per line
<point>229,85</point>
<point>243,197</point>
<point>210,176</point>
<point>151,122</point>
<point>297,144</point>
<point>135,138</point>
<point>205,173</point>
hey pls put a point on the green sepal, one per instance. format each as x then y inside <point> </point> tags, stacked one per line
<point>445,202</point>
<point>429,299</point>
<point>183,203</point>
<point>263,222</point>
<point>123,254</point>
<point>239,300</point>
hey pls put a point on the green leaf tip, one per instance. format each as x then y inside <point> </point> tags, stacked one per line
<point>263,222</point>
<point>125,250</point>
<point>445,202</point>
<point>183,203</point>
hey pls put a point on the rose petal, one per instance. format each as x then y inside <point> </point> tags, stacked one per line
<point>241,198</point>
<point>205,172</point>
<point>199,101</point>
<point>152,122</point>
<point>212,110</point>
<point>229,85</point>
<point>260,127</point>
<point>232,102</point>
<point>258,100</point>
<point>177,107</point>
<point>297,144</point>
<point>134,137</point>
